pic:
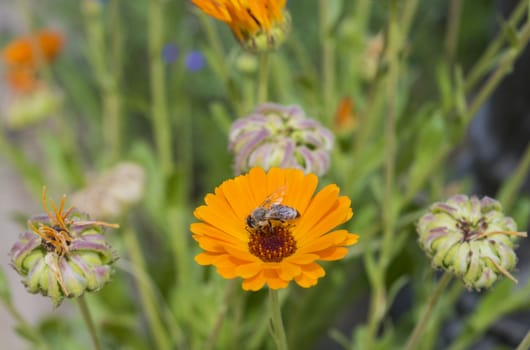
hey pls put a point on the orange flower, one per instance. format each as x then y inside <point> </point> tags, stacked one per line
<point>345,116</point>
<point>22,51</point>
<point>268,228</point>
<point>22,79</point>
<point>257,24</point>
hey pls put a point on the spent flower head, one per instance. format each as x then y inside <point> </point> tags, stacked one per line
<point>269,228</point>
<point>258,25</point>
<point>64,253</point>
<point>112,193</point>
<point>280,136</point>
<point>471,238</point>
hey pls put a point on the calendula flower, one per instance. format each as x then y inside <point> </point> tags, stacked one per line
<point>64,254</point>
<point>27,50</point>
<point>113,192</point>
<point>269,229</point>
<point>259,25</point>
<point>282,136</point>
<point>22,56</point>
<point>471,238</point>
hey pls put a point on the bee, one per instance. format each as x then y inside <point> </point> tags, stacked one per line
<point>271,210</point>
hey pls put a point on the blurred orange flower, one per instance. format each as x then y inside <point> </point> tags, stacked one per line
<point>249,229</point>
<point>23,51</point>
<point>21,57</point>
<point>257,24</point>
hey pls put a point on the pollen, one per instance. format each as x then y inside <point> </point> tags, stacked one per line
<point>272,243</point>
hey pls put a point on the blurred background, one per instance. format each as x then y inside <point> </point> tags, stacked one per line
<point>490,151</point>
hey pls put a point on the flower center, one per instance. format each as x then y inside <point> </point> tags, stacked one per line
<point>470,230</point>
<point>272,243</point>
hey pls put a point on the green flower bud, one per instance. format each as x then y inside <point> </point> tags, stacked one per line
<point>280,136</point>
<point>270,39</point>
<point>65,255</point>
<point>471,238</point>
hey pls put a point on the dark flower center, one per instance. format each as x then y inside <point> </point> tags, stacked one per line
<point>471,230</point>
<point>272,243</point>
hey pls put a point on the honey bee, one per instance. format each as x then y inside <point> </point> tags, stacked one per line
<point>271,210</point>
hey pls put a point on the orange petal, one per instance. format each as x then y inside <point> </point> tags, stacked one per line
<point>319,207</point>
<point>332,253</point>
<point>249,270</point>
<point>254,283</point>
<point>313,270</point>
<point>289,271</point>
<point>305,281</point>
<point>301,259</point>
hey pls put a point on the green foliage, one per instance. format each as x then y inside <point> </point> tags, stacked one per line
<point>123,101</point>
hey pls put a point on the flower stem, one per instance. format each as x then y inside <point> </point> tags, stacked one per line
<point>487,59</point>
<point>263,81</point>
<point>107,78</point>
<point>422,323</point>
<point>277,330</point>
<point>221,315</point>
<point>525,343</point>
<point>89,322</point>
<point>451,34</point>
<point>159,111</point>
<point>146,296</point>
<point>510,190</point>
<point>328,56</point>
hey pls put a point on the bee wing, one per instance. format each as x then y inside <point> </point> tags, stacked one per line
<point>276,197</point>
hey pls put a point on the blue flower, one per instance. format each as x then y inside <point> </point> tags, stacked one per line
<point>195,61</point>
<point>170,53</point>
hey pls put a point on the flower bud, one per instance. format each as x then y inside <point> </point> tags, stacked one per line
<point>471,238</point>
<point>280,136</point>
<point>65,255</point>
<point>270,39</point>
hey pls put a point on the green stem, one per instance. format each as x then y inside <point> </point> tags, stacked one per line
<point>390,134</point>
<point>525,343</point>
<point>510,189</point>
<point>328,57</point>
<point>485,61</point>
<point>452,29</point>
<point>219,65</point>
<point>108,79</point>
<point>221,315</point>
<point>89,322</point>
<point>177,222</point>
<point>422,323</point>
<point>146,296</point>
<point>492,83</point>
<point>263,82</point>
<point>277,329</point>
<point>159,111</point>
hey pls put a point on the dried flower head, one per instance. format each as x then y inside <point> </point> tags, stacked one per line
<point>269,229</point>
<point>281,136</point>
<point>64,255</point>
<point>113,192</point>
<point>258,25</point>
<point>471,238</point>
